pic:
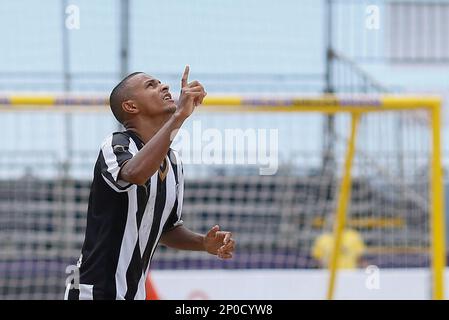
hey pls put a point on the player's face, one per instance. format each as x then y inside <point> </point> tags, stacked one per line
<point>152,97</point>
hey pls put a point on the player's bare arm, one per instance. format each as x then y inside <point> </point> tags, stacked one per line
<point>147,161</point>
<point>216,242</point>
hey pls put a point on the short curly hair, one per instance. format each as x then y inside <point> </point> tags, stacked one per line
<point>119,94</point>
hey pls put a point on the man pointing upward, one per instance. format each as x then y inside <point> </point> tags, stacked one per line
<point>136,195</point>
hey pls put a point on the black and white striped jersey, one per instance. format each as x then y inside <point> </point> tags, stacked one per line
<point>125,222</point>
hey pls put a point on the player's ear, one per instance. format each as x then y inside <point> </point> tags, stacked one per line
<point>129,106</point>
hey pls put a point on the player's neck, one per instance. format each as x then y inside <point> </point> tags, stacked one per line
<point>146,129</point>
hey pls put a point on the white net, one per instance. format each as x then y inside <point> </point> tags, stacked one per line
<point>279,221</point>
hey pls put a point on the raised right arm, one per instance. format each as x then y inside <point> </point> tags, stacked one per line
<point>146,162</point>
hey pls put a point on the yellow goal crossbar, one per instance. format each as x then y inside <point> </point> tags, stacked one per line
<point>323,104</point>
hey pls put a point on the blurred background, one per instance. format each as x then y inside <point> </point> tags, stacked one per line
<point>79,50</point>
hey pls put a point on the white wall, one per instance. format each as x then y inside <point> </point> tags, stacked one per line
<point>292,284</point>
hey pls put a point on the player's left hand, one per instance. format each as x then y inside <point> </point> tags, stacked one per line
<point>219,243</point>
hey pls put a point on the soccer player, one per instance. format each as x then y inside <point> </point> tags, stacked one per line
<point>136,195</point>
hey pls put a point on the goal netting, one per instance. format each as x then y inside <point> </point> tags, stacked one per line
<point>280,219</point>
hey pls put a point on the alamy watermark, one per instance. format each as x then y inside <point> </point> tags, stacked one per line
<point>372,17</point>
<point>211,146</point>
<point>73,278</point>
<point>72,21</point>
<point>372,281</point>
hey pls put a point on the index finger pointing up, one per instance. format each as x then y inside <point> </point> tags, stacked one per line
<point>185,76</point>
